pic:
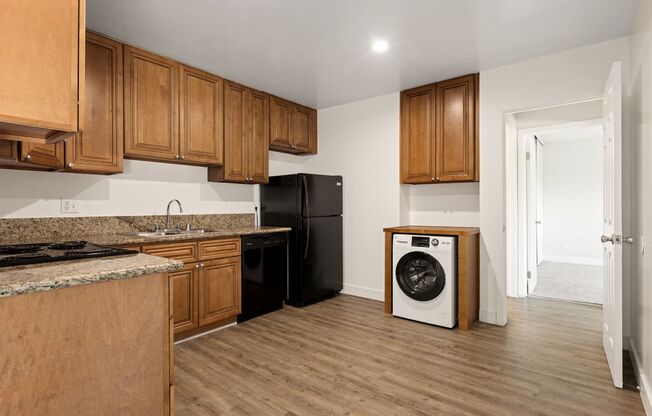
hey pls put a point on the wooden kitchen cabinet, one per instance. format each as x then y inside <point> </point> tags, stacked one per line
<point>185,291</point>
<point>206,292</point>
<point>246,136</point>
<point>201,117</point>
<point>42,70</point>
<point>31,156</point>
<point>293,128</point>
<point>219,282</point>
<point>98,147</point>
<point>439,132</point>
<point>417,138</point>
<point>151,95</point>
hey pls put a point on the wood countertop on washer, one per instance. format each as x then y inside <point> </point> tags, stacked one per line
<point>430,229</point>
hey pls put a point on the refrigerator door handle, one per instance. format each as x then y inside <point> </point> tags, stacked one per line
<point>307,206</point>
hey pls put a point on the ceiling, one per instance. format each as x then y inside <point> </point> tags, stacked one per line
<point>318,53</point>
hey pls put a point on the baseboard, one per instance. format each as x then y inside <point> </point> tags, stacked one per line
<point>644,383</point>
<point>587,261</point>
<point>364,292</point>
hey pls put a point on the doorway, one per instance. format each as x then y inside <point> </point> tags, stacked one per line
<point>560,192</point>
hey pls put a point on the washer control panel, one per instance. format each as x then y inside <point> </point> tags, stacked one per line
<point>421,242</point>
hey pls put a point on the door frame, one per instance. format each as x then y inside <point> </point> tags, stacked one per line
<point>515,229</point>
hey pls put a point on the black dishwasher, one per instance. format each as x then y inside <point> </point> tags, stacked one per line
<point>264,274</point>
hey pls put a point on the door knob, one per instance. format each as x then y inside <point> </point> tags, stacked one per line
<point>628,240</point>
<point>607,239</point>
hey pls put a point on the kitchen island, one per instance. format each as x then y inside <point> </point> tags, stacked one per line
<point>87,337</point>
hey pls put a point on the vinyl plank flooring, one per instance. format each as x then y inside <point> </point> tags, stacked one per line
<point>344,356</point>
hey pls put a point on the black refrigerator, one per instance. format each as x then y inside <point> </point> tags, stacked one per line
<point>312,206</point>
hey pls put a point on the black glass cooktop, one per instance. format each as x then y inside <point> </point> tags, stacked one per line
<point>21,254</point>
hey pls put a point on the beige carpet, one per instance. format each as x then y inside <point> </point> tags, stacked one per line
<point>574,282</point>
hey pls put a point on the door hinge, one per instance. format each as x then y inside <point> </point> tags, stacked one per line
<point>529,275</point>
<point>527,155</point>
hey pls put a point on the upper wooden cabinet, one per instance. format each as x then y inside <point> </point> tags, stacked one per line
<point>293,128</point>
<point>439,132</point>
<point>98,147</point>
<point>246,136</point>
<point>201,117</point>
<point>32,156</point>
<point>41,70</point>
<point>151,95</point>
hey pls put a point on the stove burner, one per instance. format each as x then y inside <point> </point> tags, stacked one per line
<point>23,254</point>
<point>68,245</point>
<point>91,252</point>
<point>21,248</point>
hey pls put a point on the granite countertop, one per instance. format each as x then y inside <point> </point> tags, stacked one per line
<point>130,239</point>
<point>37,278</point>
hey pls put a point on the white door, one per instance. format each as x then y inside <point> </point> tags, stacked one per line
<point>612,305</point>
<point>539,196</point>
<point>532,214</point>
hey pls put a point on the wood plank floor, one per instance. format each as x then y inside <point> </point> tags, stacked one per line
<point>346,357</point>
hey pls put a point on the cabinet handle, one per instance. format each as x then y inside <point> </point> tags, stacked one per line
<point>28,157</point>
<point>70,165</point>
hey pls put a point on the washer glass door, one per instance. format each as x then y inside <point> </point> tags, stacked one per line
<point>420,276</point>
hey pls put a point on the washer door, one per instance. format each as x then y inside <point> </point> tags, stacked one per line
<point>420,276</point>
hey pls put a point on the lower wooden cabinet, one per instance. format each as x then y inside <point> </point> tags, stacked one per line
<point>207,290</point>
<point>219,288</point>
<point>185,288</point>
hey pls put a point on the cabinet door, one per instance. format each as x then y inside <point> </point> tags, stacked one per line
<point>301,129</point>
<point>201,115</point>
<point>185,292</point>
<point>313,132</point>
<point>219,290</point>
<point>280,117</point>
<point>417,135</point>
<point>258,151</point>
<point>235,132</point>
<point>43,155</point>
<point>151,106</point>
<point>98,147</point>
<point>455,135</point>
<point>40,77</point>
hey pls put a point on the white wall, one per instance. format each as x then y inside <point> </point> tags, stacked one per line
<point>641,186</point>
<point>360,142</point>
<point>564,77</point>
<point>445,204</point>
<point>572,201</point>
<point>143,189</point>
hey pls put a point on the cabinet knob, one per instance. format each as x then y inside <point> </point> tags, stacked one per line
<point>201,264</point>
<point>28,157</point>
<point>437,178</point>
<point>70,164</point>
<point>183,157</point>
<point>197,266</point>
<point>178,157</point>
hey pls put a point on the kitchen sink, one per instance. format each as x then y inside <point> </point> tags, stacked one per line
<point>173,232</point>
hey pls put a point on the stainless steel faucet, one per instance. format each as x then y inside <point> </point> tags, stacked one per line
<point>167,215</point>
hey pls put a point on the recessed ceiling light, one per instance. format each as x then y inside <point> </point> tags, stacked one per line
<point>380,46</point>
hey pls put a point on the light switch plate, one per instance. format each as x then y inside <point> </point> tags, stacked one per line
<point>69,206</point>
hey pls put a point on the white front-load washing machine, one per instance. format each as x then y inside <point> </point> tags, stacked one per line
<point>425,279</point>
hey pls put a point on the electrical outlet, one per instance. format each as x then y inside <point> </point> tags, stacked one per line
<point>69,206</point>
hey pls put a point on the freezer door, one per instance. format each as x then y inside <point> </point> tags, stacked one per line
<point>320,259</point>
<point>321,195</point>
